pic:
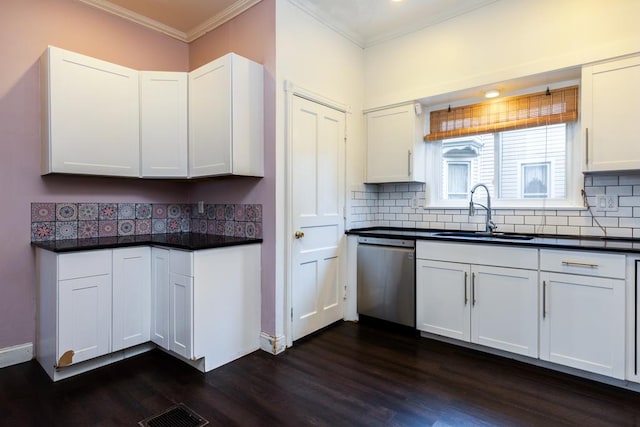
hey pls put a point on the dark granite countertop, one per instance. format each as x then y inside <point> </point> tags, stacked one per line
<point>613,244</point>
<point>187,241</point>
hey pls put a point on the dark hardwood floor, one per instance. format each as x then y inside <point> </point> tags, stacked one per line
<point>347,375</point>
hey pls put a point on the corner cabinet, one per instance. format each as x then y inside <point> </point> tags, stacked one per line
<point>90,116</point>
<point>163,124</point>
<point>395,145</point>
<point>610,107</point>
<point>484,294</point>
<point>226,124</point>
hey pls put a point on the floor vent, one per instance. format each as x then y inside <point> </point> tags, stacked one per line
<point>176,416</point>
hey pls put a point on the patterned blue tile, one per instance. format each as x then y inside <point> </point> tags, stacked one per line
<point>107,228</point>
<point>159,226</point>
<point>143,210</point>
<point>66,230</point>
<point>88,211</point>
<point>229,212</point>
<point>126,211</point>
<point>126,227</point>
<point>159,211</point>
<point>173,225</point>
<point>250,230</point>
<point>173,211</point>
<point>210,211</point>
<point>240,229</point>
<point>66,211</point>
<point>229,228</point>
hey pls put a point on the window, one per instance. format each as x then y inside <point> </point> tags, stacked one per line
<point>524,148</point>
<point>524,167</point>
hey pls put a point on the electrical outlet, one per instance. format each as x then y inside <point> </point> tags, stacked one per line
<point>606,203</point>
<point>200,207</point>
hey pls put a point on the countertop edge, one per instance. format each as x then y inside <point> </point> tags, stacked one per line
<point>538,241</point>
<point>181,241</point>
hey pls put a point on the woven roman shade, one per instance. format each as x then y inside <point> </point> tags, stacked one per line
<point>517,112</point>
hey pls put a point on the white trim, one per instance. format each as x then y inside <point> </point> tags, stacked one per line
<point>271,344</point>
<point>294,90</point>
<point>16,354</point>
<point>212,23</point>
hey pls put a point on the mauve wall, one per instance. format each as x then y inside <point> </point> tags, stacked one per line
<point>251,35</point>
<point>26,28</point>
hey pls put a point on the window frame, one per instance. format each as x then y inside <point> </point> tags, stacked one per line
<point>548,166</point>
<point>574,180</point>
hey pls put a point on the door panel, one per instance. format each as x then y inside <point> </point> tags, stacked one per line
<point>317,201</point>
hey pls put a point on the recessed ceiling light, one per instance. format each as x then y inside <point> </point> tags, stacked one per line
<point>493,93</point>
<point>396,1</point>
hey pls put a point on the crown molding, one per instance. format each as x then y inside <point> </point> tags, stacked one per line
<point>215,21</point>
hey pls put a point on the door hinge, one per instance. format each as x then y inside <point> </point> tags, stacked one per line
<point>292,314</point>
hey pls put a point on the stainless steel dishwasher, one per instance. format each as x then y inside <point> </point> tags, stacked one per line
<point>386,279</point>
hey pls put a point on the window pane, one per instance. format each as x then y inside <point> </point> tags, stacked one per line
<point>535,180</point>
<point>458,182</point>
<point>542,145</point>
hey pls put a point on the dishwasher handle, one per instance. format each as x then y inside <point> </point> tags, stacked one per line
<point>383,241</point>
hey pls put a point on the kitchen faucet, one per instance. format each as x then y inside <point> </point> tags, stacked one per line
<point>490,226</point>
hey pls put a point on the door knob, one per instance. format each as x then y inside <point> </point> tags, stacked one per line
<point>299,234</point>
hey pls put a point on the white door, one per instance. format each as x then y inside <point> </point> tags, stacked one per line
<point>505,309</point>
<point>317,202</point>
<point>160,297</point>
<point>442,299</point>
<point>84,317</point>
<point>181,315</point>
<point>131,297</point>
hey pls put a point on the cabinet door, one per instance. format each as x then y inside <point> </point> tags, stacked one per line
<point>505,309</point>
<point>163,124</point>
<point>395,149</point>
<point>181,315</point>
<point>583,323</point>
<point>210,119</point>
<point>160,297</point>
<point>91,116</point>
<point>442,299</point>
<point>131,297</point>
<point>84,317</point>
<point>610,106</point>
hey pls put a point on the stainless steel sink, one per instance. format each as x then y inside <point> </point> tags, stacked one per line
<point>482,235</point>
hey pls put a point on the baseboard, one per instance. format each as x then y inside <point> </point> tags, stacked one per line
<point>16,354</point>
<point>271,344</point>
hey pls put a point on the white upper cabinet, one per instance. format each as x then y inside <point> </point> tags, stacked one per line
<point>90,116</point>
<point>610,107</point>
<point>226,125</point>
<point>163,124</point>
<point>395,145</point>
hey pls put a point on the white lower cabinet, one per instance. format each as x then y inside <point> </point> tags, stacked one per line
<point>491,305</point>
<point>100,306</point>
<point>131,297</point>
<point>208,302</point>
<point>583,311</point>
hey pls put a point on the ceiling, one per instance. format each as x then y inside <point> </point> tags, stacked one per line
<point>364,22</point>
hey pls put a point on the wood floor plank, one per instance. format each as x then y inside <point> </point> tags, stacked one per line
<point>348,375</point>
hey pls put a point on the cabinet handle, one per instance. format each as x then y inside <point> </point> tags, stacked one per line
<point>466,297</point>
<point>544,299</point>
<point>473,289</point>
<point>586,131</point>
<point>409,162</point>
<point>579,264</point>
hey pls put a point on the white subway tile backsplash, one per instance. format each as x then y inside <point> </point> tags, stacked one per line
<point>392,205</point>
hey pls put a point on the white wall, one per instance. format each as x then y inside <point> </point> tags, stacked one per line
<point>313,57</point>
<point>506,40</point>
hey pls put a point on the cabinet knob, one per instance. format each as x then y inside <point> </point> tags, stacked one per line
<point>299,234</point>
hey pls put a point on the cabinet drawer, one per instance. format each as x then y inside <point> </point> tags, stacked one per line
<point>181,262</point>
<point>84,264</point>
<point>476,253</point>
<point>583,262</point>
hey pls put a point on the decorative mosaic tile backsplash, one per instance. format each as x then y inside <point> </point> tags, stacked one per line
<point>58,221</point>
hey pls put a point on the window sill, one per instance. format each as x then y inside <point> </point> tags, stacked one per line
<point>494,207</point>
